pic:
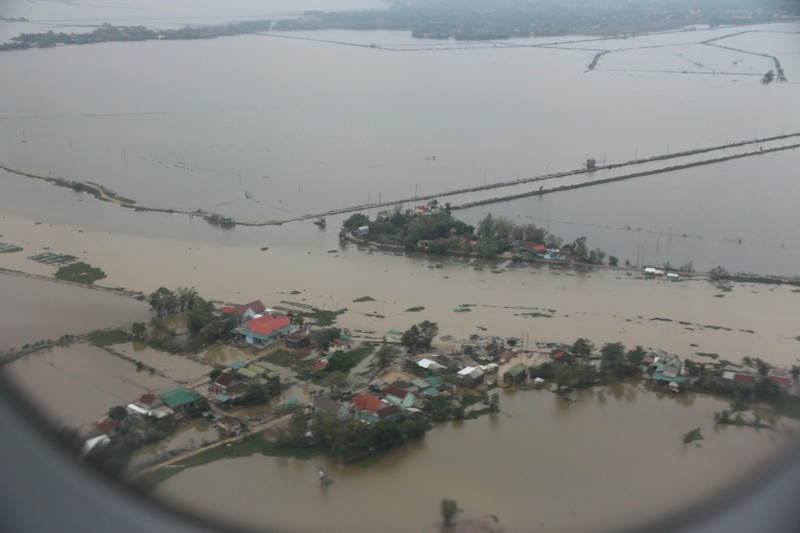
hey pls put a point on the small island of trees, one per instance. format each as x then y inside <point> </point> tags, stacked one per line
<point>433,229</point>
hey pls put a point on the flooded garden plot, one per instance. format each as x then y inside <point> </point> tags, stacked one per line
<point>79,383</point>
<point>36,309</point>
<point>180,368</point>
<point>190,434</point>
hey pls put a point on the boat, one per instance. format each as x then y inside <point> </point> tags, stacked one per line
<point>320,222</point>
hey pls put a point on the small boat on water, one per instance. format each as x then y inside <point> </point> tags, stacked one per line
<point>320,222</point>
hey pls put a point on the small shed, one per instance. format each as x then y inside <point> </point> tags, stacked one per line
<point>298,340</point>
<point>515,375</point>
<point>471,376</point>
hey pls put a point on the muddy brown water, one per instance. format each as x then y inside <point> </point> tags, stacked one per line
<point>608,460</point>
<point>612,459</point>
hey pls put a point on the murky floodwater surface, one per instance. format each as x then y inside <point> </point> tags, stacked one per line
<point>274,143</point>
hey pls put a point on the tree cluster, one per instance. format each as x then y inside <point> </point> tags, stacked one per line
<point>204,323</point>
<point>419,336</point>
<point>352,439</point>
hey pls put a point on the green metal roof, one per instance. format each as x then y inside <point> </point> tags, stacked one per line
<point>516,369</point>
<point>178,397</point>
<point>247,373</point>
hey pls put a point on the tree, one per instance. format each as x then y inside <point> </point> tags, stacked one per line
<point>635,356</point>
<point>321,339</point>
<point>579,249</point>
<point>254,394</point>
<point>613,354</point>
<point>385,356</point>
<point>355,221</point>
<point>162,301</point>
<point>428,330</point>
<point>118,413</point>
<point>762,366</point>
<point>335,381</point>
<point>138,329</point>
<point>419,336</point>
<point>583,348</point>
<point>186,297</point>
<point>613,260</point>
<point>449,509</point>
<point>795,372</point>
<point>767,390</point>
<point>494,402</point>
<point>565,375</point>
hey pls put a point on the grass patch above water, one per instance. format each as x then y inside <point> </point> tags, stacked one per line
<point>323,317</point>
<point>692,436</point>
<point>80,272</point>
<point>109,337</point>
<point>364,299</point>
<point>279,357</point>
<point>248,446</point>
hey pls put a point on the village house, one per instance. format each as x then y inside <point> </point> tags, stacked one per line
<point>389,412</point>
<point>429,364</point>
<point>398,396</point>
<point>668,368</point>
<point>253,373</point>
<point>298,340</point>
<point>109,427</point>
<point>224,388</point>
<point>245,311</point>
<point>471,376</point>
<point>180,399</point>
<point>264,330</point>
<point>366,407</point>
<point>326,405</point>
<point>563,357</point>
<point>148,405</point>
<point>515,375</point>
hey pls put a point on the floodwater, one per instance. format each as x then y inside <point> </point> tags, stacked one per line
<point>35,310</point>
<point>179,368</point>
<point>78,384</point>
<point>385,124</point>
<point>612,459</point>
<point>274,142</point>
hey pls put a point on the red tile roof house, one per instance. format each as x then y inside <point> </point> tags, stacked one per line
<point>563,357</point>
<point>148,405</point>
<point>783,381</point>
<point>265,330</point>
<point>367,407</point>
<point>245,311</point>
<point>109,427</point>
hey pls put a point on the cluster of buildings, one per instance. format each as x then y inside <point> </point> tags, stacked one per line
<point>225,388</point>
